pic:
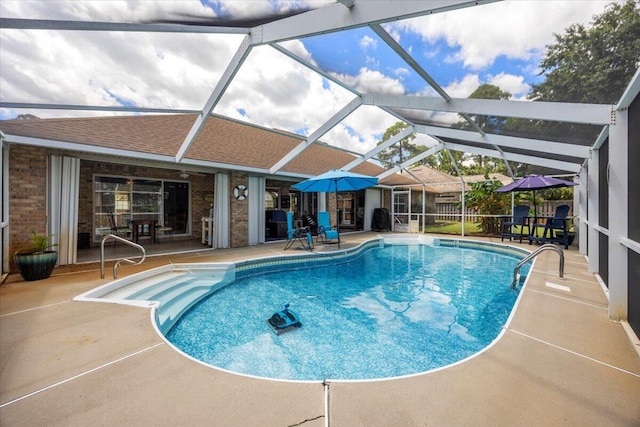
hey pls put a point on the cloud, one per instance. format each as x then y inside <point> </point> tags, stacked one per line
<point>515,85</point>
<point>367,43</point>
<point>371,81</point>
<point>511,29</point>
<point>464,87</point>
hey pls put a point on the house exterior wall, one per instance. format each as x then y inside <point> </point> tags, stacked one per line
<point>28,192</point>
<point>27,195</point>
<point>200,186</point>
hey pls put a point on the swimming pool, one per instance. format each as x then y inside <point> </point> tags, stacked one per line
<point>387,310</point>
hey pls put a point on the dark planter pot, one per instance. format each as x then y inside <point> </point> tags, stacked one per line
<point>36,266</point>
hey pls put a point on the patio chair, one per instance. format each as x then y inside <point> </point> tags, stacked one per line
<point>310,221</point>
<point>555,228</point>
<point>520,219</point>
<point>301,235</point>
<point>327,233</point>
<point>165,229</point>
<point>116,229</point>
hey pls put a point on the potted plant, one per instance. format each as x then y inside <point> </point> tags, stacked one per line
<point>38,260</point>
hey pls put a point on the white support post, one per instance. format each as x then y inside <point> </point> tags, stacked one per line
<point>593,250</point>
<point>582,191</point>
<point>618,221</point>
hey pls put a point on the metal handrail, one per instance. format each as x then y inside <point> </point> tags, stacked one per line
<point>534,254</point>
<point>117,264</point>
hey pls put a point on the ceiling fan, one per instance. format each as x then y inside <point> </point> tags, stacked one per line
<point>186,174</point>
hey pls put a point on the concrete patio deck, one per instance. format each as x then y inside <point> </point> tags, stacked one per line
<point>65,363</point>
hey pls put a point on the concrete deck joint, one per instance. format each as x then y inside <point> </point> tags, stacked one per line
<point>82,374</point>
<point>569,299</point>
<point>637,375</point>
<point>35,308</point>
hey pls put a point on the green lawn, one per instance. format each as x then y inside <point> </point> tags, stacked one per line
<point>470,228</point>
<point>454,228</point>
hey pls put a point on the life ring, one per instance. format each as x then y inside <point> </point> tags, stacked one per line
<point>240,192</point>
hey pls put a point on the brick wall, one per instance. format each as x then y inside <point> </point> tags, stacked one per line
<point>27,194</point>
<point>28,185</point>
<point>239,212</point>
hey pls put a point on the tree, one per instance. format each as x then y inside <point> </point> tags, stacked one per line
<point>487,91</point>
<point>593,65</point>
<point>586,65</point>
<point>442,162</point>
<point>484,199</point>
<point>401,150</point>
<point>26,117</point>
<point>492,124</point>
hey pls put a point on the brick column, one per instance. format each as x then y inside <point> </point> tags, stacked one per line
<point>239,212</point>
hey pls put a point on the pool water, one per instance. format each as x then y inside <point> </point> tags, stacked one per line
<point>391,311</point>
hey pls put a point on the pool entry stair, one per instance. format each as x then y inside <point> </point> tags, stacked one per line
<point>172,291</point>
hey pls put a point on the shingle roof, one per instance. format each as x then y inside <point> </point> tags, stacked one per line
<point>447,183</point>
<point>221,140</point>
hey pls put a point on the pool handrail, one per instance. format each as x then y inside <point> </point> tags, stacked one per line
<point>545,247</point>
<point>117,264</point>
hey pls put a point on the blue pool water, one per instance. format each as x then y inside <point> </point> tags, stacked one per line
<point>391,311</point>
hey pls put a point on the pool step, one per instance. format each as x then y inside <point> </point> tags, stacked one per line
<point>161,290</point>
<point>170,311</point>
<point>175,290</point>
<point>126,291</point>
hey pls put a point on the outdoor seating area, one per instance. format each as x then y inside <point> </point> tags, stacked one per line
<point>139,228</point>
<point>301,235</point>
<point>326,232</point>
<point>555,229</point>
<point>515,226</point>
<point>539,229</point>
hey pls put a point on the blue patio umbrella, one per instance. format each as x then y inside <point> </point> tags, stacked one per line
<point>336,180</point>
<point>533,183</point>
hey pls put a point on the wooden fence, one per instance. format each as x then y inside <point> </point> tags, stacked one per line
<point>450,211</point>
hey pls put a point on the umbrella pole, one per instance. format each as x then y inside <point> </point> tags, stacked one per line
<point>337,215</point>
<point>535,215</point>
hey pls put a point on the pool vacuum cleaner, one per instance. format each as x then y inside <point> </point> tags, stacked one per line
<point>284,321</point>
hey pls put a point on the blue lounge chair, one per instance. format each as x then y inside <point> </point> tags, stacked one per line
<point>519,219</point>
<point>302,235</point>
<point>555,228</point>
<point>327,233</point>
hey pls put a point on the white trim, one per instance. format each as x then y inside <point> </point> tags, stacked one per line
<point>256,206</point>
<point>630,244</point>
<point>4,203</point>
<point>618,179</point>
<point>63,188</point>
<point>593,114</point>
<point>221,208</point>
<point>593,209</point>
<point>601,230</point>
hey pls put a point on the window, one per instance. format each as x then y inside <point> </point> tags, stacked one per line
<point>129,199</point>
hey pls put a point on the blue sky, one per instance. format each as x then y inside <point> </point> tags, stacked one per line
<point>499,43</point>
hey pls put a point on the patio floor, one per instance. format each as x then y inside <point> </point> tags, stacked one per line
<point>66,363</point>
